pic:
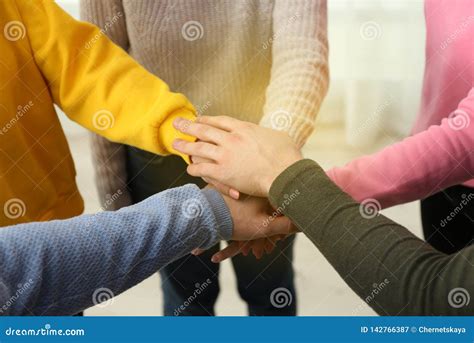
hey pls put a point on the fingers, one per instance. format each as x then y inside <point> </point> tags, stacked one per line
<point>221,122</point>
<point>258,248</point>
<point>197,251</point>
<point>199,149</point>
<point>197,159</point>
<point>201,131</point>
<point>224,189</point>
<point>204,170</point>
<point>230,251</point>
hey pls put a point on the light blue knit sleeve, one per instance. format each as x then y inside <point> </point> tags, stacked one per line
<point>63,267</point>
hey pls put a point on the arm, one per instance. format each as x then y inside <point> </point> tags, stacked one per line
<point>419,279</point>
<point>97,84</point>
<point>423,164</point>
<point>409,276</point>
<point>299,75</point>
<point>60,264</point>
<point>109,158</point>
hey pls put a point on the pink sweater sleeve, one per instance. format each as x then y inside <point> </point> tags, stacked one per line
<point>416,167</point>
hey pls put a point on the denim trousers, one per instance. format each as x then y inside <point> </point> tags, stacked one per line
<point>190,285</point>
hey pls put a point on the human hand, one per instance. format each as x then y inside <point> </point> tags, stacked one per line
<point>255,218</point>
<point>258,247</point>
<point>242,155</point>
<point>233,193</point>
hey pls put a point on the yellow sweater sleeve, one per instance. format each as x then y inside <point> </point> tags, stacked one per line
<point>99,85</point>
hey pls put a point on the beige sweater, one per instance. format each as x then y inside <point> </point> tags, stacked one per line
<point>256,60</point>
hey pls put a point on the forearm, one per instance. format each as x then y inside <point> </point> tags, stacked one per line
<point>67,261</point>
<point>99,85</point>
<point>423,164</point>
<point>299,75</point>
<point>373,255</point>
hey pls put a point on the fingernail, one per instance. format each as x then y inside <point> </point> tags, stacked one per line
<point>177,122</point>
<point>234,194</point>
<point>176,143</point>
<point>215,259</point>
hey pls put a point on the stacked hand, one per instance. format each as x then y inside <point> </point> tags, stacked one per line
<point>255,227</point>
<point>244,156</point>
<point>237,156</point>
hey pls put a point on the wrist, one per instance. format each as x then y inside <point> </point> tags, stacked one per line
<point>221,211</point>
<point>278,169</point>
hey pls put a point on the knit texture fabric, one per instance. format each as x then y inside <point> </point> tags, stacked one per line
<point>64,267</point>
<point>263,61</point>
<point>394,271</point>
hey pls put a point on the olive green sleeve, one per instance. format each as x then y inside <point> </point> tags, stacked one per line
<point>395,272</point>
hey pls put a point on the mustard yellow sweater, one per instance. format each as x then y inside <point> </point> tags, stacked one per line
<point>49,58</point>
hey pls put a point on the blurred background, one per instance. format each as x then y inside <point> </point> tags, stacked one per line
<point>376,67</point>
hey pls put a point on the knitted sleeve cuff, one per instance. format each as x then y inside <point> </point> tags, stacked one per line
<point>221,211</point>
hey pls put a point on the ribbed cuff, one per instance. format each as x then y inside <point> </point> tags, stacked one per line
<point>225,225</point>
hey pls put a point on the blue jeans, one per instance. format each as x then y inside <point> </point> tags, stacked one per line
<point>190,285</point>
